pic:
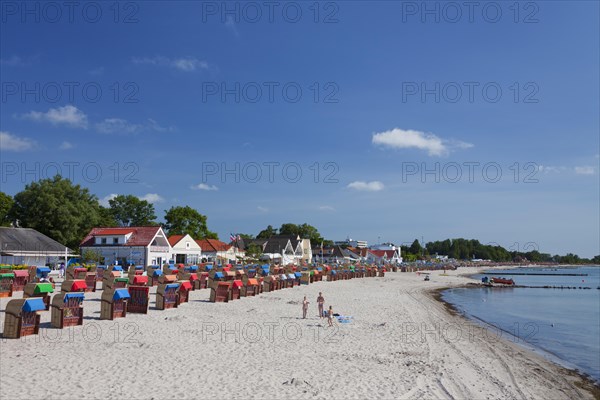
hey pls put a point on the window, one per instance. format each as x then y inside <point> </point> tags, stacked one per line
<point>103,240</point>
<point>187,245</point>
<point>115,240</point>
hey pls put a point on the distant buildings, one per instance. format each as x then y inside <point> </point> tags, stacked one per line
<point>285,249</point>
<point>386,253</point>
<point>361,244</point>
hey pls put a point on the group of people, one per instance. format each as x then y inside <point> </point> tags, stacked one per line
<point>320,304</point>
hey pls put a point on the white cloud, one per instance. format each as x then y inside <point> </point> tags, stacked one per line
<point>326,208</point>
<point>122,126</point>
<point>187,64</point>
<point>13,61</point>
<point>373,186</point>
<point>551,169</point>
<point>262,209</point>
<point>97,71</point>
<point>10,142</point>
<point>104,201</point>
<point>230,24</point>
<point>585,170</point>
<point>66,145</point>
<point>68,115</point>
<point>403,139</point>
<point>118,125</point>
<point>204,186</point>
<point>152,198</point>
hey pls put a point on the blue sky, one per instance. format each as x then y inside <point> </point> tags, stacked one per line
<point>372,95</point>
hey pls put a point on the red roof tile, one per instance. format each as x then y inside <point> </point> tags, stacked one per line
<point>141,235</point>
<point>380,253</point>
<point>210,245</point>
<point>174,239</point>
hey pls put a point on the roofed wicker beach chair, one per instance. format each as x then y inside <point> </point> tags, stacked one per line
<point>114,303</point>
<point>22,317</point>
<point>67,309</point>
<point>167,296</point>
<point>6,284</point>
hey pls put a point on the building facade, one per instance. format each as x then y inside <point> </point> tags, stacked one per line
<point>137,245</point>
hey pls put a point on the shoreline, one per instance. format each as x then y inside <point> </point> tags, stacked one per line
<point>586,381</point>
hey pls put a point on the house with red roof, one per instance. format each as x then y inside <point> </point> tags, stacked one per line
<point>215,250</point>
<point>185,249</point>
<point>381,257</point>
<point>138,245</point>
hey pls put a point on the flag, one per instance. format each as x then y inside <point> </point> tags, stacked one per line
<point>232,237</point>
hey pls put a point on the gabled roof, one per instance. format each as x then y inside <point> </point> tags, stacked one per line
<point>210,245</point>
<point>174,239</point>
<point>28,240</point>
<point>381,253</point>
<point>350,254</point>
<point>276,244</point>
<point>140,235</point>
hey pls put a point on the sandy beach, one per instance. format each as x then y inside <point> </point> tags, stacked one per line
<point>401,343</point>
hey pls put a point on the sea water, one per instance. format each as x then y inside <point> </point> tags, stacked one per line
<point>563,323</point>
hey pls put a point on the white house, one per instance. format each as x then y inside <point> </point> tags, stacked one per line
<point>185,249</point>
<point>214,250</point>
<point>382,256</point>
<point>139,245</point>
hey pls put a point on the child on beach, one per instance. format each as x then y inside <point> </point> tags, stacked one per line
<point>330,316</point>
<point>305,304</point>
<point>320,301</point>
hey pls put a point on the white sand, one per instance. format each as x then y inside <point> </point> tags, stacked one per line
<point>259,347</point>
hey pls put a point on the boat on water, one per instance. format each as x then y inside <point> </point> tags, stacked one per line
<point>502,281</point>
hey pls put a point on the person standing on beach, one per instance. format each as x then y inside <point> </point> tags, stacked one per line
<point>320,302</point>
<point>305,304</point>
<point>330,316</point>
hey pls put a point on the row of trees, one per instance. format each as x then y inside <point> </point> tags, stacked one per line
<point>305,231</point>
<point>465,249</point>
<point>67,212</point>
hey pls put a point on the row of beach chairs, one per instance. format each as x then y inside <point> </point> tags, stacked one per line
<point>129,293</point>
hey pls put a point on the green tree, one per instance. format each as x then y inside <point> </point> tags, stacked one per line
<point>92,256</point>
<point>107,219</point>
<point>6,204</point>
<point>186,220</point>
<point>129,210</point>
<point>267,233</point>
<point>305,231</point>
<point>58,209</point>
<point>253,250</point>
<point>415,248</point>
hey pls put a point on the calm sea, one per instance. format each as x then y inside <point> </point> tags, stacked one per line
<point>562,323</point>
